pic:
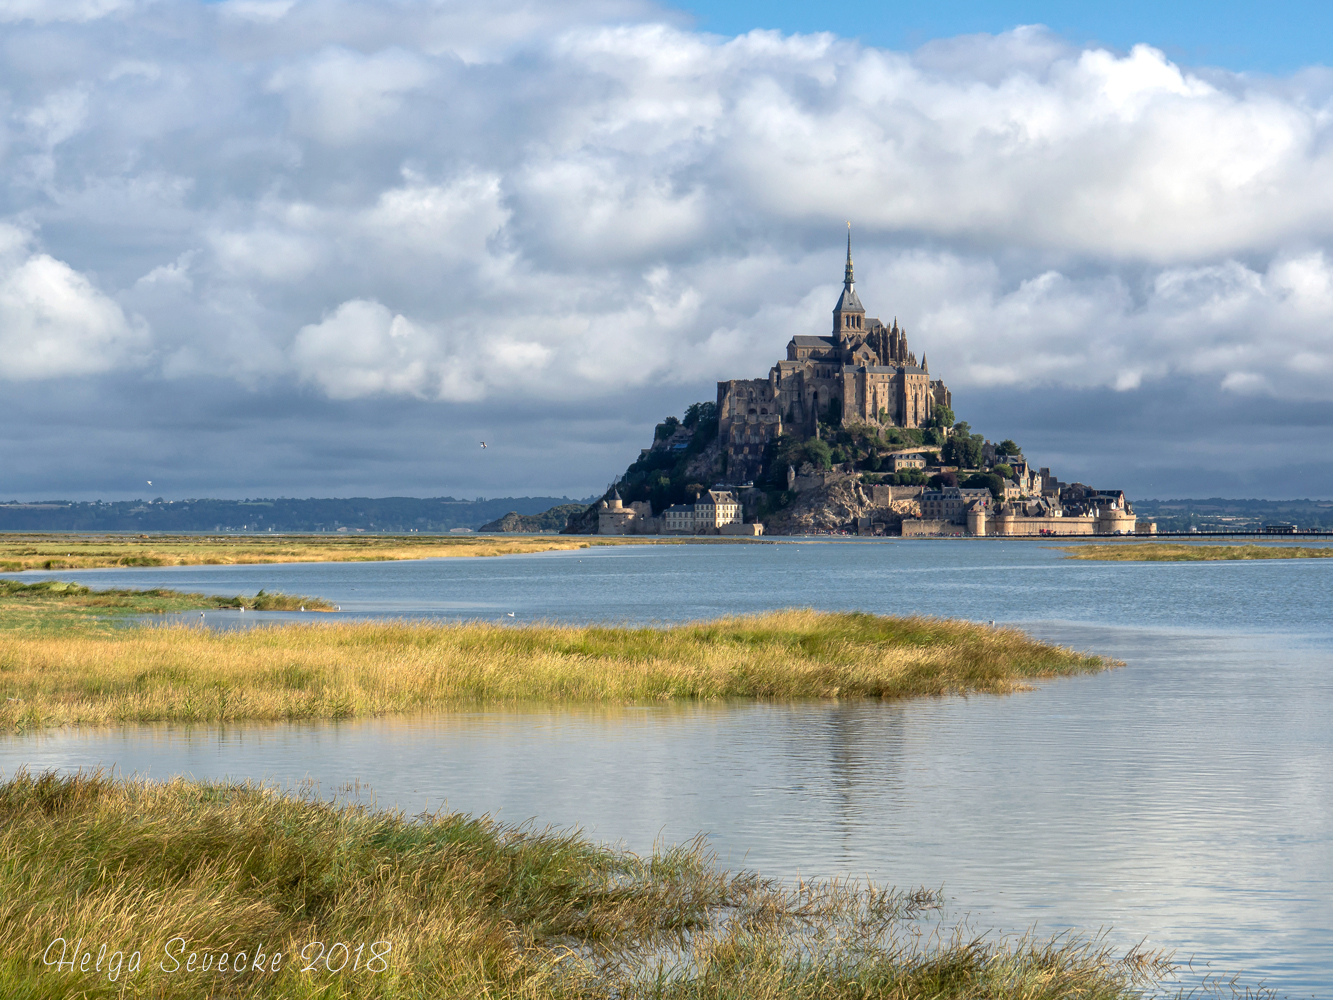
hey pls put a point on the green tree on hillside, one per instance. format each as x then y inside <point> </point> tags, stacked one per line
<point>908,477</point>
<point>985,481</point>
<point>700,413</point>
<point>963,448</point>
<point>666,428</point>
<point>786,450</point>
<point>658,476</point>
<point>818,453</point>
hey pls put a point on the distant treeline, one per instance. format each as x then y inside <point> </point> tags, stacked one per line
<point>1218,514</point>
<point>394,514</point>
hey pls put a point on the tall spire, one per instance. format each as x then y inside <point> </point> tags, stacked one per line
<point>848,280</point>
<point>848,314</point>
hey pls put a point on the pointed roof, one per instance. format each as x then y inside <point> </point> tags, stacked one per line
<point>848,300</point>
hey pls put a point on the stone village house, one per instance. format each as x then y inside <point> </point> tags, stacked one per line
<point>714,512</point>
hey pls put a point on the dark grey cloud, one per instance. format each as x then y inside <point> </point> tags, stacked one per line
<point>1177,438</point>
<point>326,246</point>
<point>200,437</point>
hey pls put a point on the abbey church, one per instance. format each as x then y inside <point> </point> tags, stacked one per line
<point>862,372</point>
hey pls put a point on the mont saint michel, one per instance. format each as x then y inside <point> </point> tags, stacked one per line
<point>862,372</point>
<point>848,434</point>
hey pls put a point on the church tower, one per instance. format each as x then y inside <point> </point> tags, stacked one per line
<point>849,316</point>
<point>861,374</point>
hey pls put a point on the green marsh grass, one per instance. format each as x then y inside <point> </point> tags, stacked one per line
<point>183,673</point>
<point>1169,552</point>
<point>471,908</point>
<point>54,606</point>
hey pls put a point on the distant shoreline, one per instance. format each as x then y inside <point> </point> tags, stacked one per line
<point>1174,552</point>
<point>32,551</point>
<point>25,552</point>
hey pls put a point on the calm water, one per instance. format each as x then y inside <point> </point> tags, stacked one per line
<point>1187,798</point>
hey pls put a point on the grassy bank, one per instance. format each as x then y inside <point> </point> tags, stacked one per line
<point>1168,552</point>
<point>52,607</point>
<point>23,552</point>
<point>350,670</point>
<point>450,906</point>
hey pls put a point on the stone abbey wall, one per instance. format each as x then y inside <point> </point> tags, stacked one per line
<point>749,416</point>
<point>862,372</point>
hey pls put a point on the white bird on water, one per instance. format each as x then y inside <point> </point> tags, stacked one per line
<point>511,614</point>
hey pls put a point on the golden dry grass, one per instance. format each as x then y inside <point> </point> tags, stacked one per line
<point>63,552</point>
<point>141,876</point>
<point>1169,552</point>
<point>348,670</point>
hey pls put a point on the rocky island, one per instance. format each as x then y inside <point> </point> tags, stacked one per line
<point>847,434</point>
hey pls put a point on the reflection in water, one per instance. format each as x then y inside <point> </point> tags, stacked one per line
<point>1186,797</point>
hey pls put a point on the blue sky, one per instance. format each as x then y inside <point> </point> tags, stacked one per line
<point>1279,36</point>
<point>325,247</point>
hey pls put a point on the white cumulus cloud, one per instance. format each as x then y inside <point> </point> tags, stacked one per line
<point>47,11</point>
<point>585,200</point>
<point>53,321</point>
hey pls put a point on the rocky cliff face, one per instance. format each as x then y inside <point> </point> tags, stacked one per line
<point>554,519</point>
<point>706,467</point>
<point>835,506</point>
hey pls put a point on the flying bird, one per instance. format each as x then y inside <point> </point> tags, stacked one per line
<point>483,444</point>
<point>150,482</point>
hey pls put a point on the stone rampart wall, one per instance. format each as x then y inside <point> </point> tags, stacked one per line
<point>1009,525</point>
<point>915,527</point>
<point>742,529</point>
